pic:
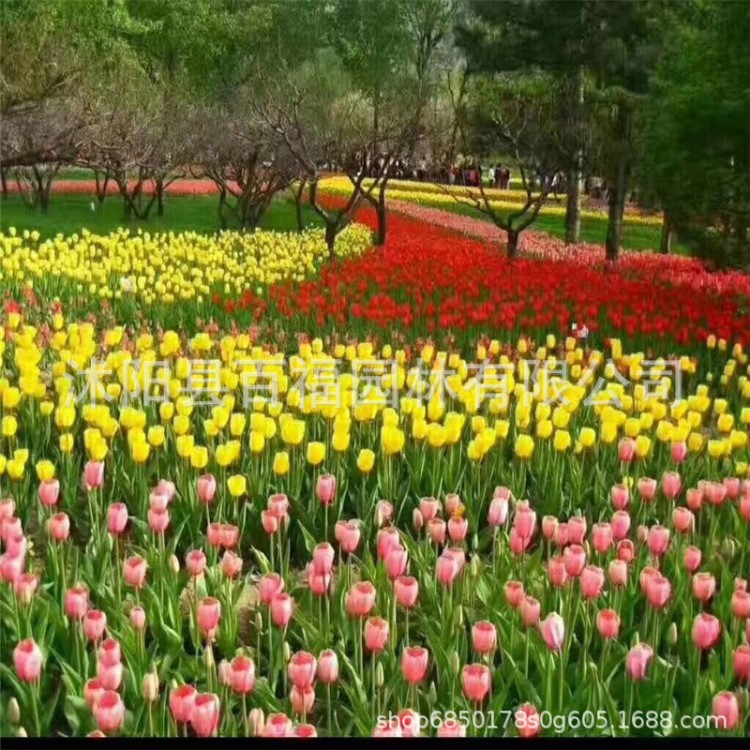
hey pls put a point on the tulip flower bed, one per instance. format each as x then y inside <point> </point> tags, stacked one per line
<point>503,201</point>
<point>402,496</point>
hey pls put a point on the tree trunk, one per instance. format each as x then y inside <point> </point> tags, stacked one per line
<point>382,214</point>
<point>331,232</point>
<point>575,173</point>
<point>4,181</point>
<point>665,244</point>
<point>298,205</point>
<point>159,187</point>
<point>512,250</point>
<point>619,187</point>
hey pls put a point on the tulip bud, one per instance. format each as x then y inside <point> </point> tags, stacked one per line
<point>474,566</point>
<point>287,652</point>
<point>150,687</point>
<point>225,672</point>
<point>636,639</point>
<point>379,675</point>
<point>21,732</point>
<point>14,711</point>
<point>455,663</point>
<point>174,564</point>
<point>459,616</point>
<point>728,548</point>
<point>475,542</point>
<point>432,695</point>
<point>259,622</point>
<point>173,685</point>
<point>671,636</point>
<point>209,656</point>
<point>256,721</point>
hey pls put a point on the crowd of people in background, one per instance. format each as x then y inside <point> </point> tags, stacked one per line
<point>470,173</point>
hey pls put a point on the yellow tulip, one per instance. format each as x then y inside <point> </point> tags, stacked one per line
<point>366,460</point>
<point>524,446</point>
<point>316,453</point>
<point>281,463</point>
<point>45,470</point>
<point>237,485</point>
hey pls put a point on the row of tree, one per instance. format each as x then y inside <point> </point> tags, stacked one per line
<point>266,95</point>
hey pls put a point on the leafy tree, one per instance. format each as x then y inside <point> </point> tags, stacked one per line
<point>695,148</point>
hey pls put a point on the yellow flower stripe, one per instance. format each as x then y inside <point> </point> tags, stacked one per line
<point>167,267</point>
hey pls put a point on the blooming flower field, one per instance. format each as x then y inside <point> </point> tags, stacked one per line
<point>414,489</point>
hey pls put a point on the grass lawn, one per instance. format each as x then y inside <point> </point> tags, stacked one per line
<point>635,236</point>
<point>71,213</point>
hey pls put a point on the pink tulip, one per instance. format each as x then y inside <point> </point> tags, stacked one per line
<point>94,623</point>
<point>694,499</point>
<point>325,489</point>
<point>396,560</point>
<point>658,590</point>
<point>576,527</point>
<point>679,452</point>
<point>167,488</point>
<point>549,527</point>
<point>637,661</point>
<point>59,527</point>
<point>269,522</point>
<point>317,582</point>
<point>110,676</point>
<point>704,586</point>
<point>204,717</point>
<point>625,550</point>
<point>575,560</point>
<point>514,593</point>
<point>476,682</point>
<point>452,504</point>
<point>618,572</point>
<point>282,606</point>
<point>552,628</point>
<point>406,589</point>
<point>518,543</point>
<point>25,587</point>
<point>93,475</point>
<point>414,660</point>
<point>49,492</point>
<point>429,507</point>
<point>206,488</point>
<point>658,540</point>
<point>158,520</point>
<point>608,623</point>
<point>683,520</point>
<point>134,571</point>
<point>231,564</point>
<point>195,562</point>
<point>626,449</point>
<point>302,700</point>
<point>706,631</point>
<point>602,537</point>
<point>741,604</point>
<point>208,615</point>
<point>692,558</point>
<point>530,610</point>
<point>732,486</point>
<point>387,539</point>
<point>109,712</point>
<point>270,585</point>
<point>117,518</point>
<point>524,520</point>
<point>451,728</point>
<point>436,529</point>
<point>27,660</point>
<point>328,667</point>
<point>528,722</point>
<point>741,662</point>
<point>647,488</point>
<point>301,669</point>
<point>92,691</point>
<point>620,525</point>
<point>671,484</point>
<point>360,599</point>
<point>457,528</point>
<point>446,570</point>
<point>562,535</point>
<point>726,710</point>
<point>484,637</point>
<point>497,514</point>
<point>376,634</point>
<point>323,556</point>
<point>592,582</point>
<point>181,702</point>
<point>347,535</point>
<point>278,505</point>
<point>556,571</point>
<point>417,520</point>
<point>138,618</point>
<point>383,512</point>
<point>620,496</point>
<point>109,652</point>
<point>76,602</point>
